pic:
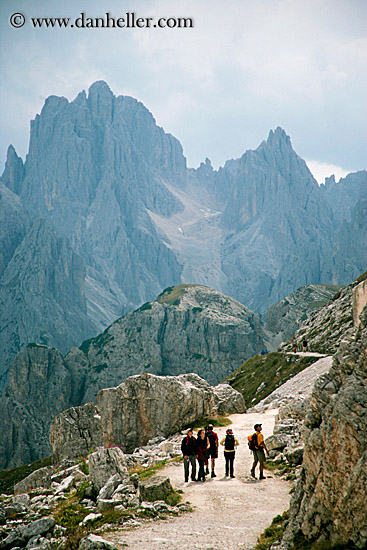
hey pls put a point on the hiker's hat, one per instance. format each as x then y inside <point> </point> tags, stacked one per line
<point>190,430</point>
<point>210,426</point>
<point>257,426</point>
<point>229,431</point>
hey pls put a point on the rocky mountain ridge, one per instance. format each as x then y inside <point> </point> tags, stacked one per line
<point>256,229</point>
<point>326,329</point>
<point>285,317</point>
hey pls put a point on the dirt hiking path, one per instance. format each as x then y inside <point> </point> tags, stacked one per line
<point>228,513</point>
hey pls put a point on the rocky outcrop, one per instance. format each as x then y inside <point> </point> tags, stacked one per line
<point>327,501</point>
<point>96,542</point>
<point>333,324</point>
<point>227,400</point>
<point>359,301</point>
<point>285,317</point>
<point>189,328</point>
<point>39,387</point>
<point>156,488</point>
<point>76,431</point>
<point>142,408</point>
<point>148,406</point>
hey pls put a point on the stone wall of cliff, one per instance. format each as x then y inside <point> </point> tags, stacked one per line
<point>328,501</point>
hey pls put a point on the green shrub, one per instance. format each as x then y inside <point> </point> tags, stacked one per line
<point>273,533</point>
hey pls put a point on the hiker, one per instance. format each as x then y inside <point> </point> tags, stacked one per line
<point>202,445</point>
<point>230,443</point>
<point>258,452</point>
<point>213,451</point>
<point>188,448</point>
<point>294,345</point>
<point>304,344</point>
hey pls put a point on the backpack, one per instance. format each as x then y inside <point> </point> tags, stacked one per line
<point>229,443</point>
<point>252,442</point>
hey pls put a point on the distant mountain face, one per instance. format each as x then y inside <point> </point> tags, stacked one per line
<point>116,188</point>
<point>189,328</point>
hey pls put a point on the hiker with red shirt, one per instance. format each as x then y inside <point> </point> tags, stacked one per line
<point>188,448</point>
<point>258,451</point>
<point>202,445</point>
<point>213,450</point>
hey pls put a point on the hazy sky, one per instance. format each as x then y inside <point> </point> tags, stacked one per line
<point>247,66</point>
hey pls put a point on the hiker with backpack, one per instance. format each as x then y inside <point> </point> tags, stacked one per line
<point>257,446</point>
<point>213,450</point>
<point>188,448</point>
<point>230,443</point>
<point>202,445</point>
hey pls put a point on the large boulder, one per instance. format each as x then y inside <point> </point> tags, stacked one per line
<point>147,406</point>
<point>106,463</point>
<point>228,400</point>
<point>75,432</point>
<point>38,478</point>
<point>155,488</point>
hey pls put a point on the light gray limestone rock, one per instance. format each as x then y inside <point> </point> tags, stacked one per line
<point>148,406</point>
<point>327,500</point>
<point>96,542</point>
<point>228,400</point>
<point>155,488</point>
<point>75,432</point>
<point>105,463</point>
<point>38,478</point>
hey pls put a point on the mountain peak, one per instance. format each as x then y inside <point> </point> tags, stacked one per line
<point>99,88</point>
<point>278,136</point>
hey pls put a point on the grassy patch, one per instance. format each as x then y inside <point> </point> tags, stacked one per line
<point>145,307</point>
<point>173,499</point>
<point>8,478</point>
<point>273,533</point>
<point>98,343</point>
<point>262,374</point>
<point>280,467</point>
<point>171,295</point>
<point>150,471</point>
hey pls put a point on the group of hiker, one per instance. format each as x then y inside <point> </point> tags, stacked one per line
<point>204,449</point>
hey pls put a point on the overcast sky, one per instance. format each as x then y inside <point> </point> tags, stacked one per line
<point>247,66</point>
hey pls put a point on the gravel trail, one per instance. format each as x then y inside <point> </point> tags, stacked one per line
<point>228,513</point>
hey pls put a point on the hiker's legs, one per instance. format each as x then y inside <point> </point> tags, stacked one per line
<point>231,459</point>
<point>192,459</point>
<point>227,463</point>
<point>213,467</point>
<point>254,466</point>
<point>186,468</point>
<point>201,474</point>
<point>206,460</point>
